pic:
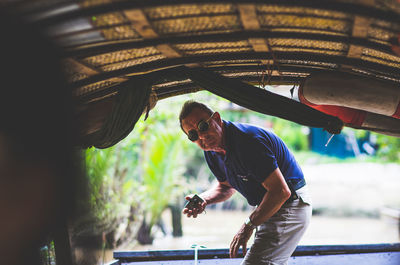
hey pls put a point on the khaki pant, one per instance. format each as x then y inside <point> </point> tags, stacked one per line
<point>276,239</point>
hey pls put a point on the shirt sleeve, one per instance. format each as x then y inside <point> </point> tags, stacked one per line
<point>259,158</point>
<point>214,167</point>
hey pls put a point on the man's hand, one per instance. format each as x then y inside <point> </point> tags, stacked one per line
<point>195,210</point>
<point>240,239</point>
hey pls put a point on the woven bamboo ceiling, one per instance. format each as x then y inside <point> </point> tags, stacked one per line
<point>106,42</point>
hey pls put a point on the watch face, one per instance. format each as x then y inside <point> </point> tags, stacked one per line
<point>248,222</point>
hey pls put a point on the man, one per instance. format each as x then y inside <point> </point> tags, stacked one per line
<point>258,164</point>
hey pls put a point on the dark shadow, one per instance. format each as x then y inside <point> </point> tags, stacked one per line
<point>38,163</point>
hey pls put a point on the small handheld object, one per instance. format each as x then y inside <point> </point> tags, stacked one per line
<point>194,202</point>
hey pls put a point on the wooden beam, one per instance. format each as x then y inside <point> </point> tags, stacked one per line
<point>248,16</point>
<point>80,67</point>
<point>87,70</point>
<point>140,23</point>
<point>360,26</point>
<point>355,51</point>
<point>259,45</point>
<point>142,26</point>
<point>168,51</point>
<point>249,19</point>
<point>360,30</point>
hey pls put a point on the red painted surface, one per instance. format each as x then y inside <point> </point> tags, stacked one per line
<point>397,113</point>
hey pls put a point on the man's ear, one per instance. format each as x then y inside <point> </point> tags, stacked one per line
<point>217,117</point>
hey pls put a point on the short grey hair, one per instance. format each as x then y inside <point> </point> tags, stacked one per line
<point>189,106</point>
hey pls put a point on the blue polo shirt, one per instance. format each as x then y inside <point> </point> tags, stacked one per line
<point>253,153</point>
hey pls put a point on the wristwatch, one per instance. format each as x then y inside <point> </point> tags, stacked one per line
<point>249,223</point>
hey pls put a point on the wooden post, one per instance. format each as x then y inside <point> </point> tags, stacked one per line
<point>62,246</point>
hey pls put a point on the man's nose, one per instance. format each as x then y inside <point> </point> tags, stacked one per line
<point>201,134</point>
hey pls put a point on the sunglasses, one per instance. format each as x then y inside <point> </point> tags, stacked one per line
<point>202,126</point>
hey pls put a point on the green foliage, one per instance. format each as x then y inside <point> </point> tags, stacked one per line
<point>48,254</point>
<point>163,168</point>
<point>291,133</point>
<point>98,163</point>
<point>389,148</point>
<point>110,190</point>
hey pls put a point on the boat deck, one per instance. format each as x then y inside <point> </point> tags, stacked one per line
<point>382,254</point>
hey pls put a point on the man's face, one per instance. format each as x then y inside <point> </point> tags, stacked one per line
<point>210,140</point>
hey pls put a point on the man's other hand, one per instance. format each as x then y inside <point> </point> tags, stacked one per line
<point>240,240</point>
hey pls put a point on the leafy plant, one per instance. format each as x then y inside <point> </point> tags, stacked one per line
<point>162,173</point>
<point>389,147</point>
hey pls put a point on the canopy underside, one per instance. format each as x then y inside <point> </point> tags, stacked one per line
<point>107,43</point>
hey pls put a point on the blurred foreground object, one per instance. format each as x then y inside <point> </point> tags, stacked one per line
<point>38,167</point>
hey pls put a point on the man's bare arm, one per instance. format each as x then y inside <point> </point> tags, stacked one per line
<point>220,192</point>
<point>277,193</point>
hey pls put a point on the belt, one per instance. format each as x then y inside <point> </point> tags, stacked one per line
<point>293,187</point>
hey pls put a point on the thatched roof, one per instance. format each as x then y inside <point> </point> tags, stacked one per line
<point>108,42</point>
